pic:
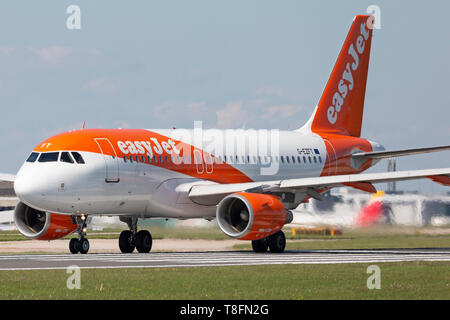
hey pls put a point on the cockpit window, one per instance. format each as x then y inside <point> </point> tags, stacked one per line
<point>48,157</point>
<point>78,158</point>
<point>65,157</point>
<point>33,156</point>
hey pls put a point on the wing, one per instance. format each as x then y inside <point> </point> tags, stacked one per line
<point>6,177</point>
<point>211,194</point>
<point>6,184</point>
<point>397,153</point>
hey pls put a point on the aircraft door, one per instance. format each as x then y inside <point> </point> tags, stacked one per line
<point>111,160</point>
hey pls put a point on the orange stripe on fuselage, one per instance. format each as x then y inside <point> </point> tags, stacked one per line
<point>339,149</point>
<point>83,140</point>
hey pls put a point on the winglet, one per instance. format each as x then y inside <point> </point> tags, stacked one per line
<point>444,180</point>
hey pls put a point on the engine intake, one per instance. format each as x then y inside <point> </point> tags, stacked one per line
<point>40,225</point>
<point>251,216</point>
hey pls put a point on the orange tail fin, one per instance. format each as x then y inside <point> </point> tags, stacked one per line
<point>340,109</point>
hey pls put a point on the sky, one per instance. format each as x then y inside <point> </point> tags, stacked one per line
<point>232,64</point>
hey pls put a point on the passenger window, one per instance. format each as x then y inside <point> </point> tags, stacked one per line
<point>137,158</point>
<point>143,159</point>
<point>33,156</point>
<point>304,159</point>
<point>49,157</point>
<point>299,159</point>
<point>78,158</point>
<point>315,159</point>
<point>282,159</point>
<point>160,159</point>
<point>149,159</point>
<point>155,159</point>
<point>320,159</point>
<point>65,157</point>
<point>287,159</point>
<point>309,158</point>
<point>131,159</point>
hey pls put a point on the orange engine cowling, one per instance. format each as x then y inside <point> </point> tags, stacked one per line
<point>39,225</point>
<point>251,216</point>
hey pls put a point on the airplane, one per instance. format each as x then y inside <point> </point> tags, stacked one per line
<point>248,180</point>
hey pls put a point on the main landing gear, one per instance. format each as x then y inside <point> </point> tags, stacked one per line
<point>80,244</point>
<point>131,239</point>
<point>275,243</point>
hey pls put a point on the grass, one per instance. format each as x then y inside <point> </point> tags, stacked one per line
<point>375,238</point>
<point>401,280</point>
<point>210,233</point>
<point>190,233</point>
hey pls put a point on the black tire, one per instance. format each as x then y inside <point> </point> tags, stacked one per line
<point>143,241</point>
<point>260,245</point>
<point>74,246</point>
<point>277,242</point>
<point>126,241</point>
<point>84,246</point>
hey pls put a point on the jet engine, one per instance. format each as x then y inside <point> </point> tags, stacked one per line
<point>39,225</point>
<point>251,216</point>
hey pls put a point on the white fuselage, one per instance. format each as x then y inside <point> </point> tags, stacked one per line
<point>148,190</point>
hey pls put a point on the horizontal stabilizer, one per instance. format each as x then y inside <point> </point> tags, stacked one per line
<point>397,153</point>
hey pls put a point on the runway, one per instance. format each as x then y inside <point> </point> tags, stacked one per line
<point>214,259</point>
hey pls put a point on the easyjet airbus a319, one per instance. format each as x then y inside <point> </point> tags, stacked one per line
<point>248,180</point>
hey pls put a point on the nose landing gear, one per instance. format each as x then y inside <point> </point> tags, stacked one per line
<point>80,244</point>
<point>131,239</point>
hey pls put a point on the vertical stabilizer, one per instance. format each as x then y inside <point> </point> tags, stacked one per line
<point>340,109</point>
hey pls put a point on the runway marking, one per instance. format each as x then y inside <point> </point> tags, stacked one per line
<point>215,259</point>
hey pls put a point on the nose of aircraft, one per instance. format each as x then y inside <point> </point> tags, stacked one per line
<point>30,186</point>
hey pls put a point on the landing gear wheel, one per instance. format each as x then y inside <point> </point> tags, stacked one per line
<point>84,245</point>
<point>126,241</point>
<point>80,244</point>
<point>277,242</point>
<point>143,241</point>
<point>74,246</point>
<point>260,245</point>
